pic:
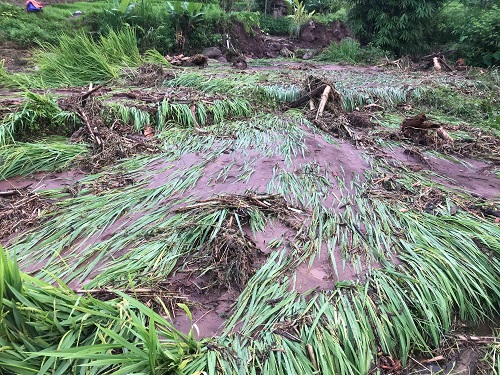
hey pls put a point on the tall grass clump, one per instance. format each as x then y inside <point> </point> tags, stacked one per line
<point>79,60</point>
<point>46,329</point>
<point>40,116</point>
<point>20,159</point>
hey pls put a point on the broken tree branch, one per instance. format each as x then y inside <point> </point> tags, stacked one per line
<point>445,64</point>
<point>302,100</point>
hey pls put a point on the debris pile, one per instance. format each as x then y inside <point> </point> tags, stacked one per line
<point>20,209</point>
<point>150,75</point>
<point>181,60</point>
<point>422,131</point>
<point>109,142</point>
<point>325,106</point>
<point>229,254</point>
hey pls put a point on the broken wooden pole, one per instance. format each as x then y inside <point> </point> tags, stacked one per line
<point>324,99</point>
<point>437,65</point>
<point>441,61</point>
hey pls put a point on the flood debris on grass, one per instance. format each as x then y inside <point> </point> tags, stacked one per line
<point>109,142</point>
<point>227,253</point>
<point>150,75</point>
<point>20,209</point>
<point>380,260</point>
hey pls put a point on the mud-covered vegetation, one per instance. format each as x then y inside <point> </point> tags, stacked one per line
<point>165,211</point>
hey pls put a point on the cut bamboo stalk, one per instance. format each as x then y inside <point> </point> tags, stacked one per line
<point>324,99</point>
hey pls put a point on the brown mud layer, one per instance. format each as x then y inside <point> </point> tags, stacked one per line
<point>312,36</point>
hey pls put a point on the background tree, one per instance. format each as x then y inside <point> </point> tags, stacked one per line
<point>227,5</point>
<point>401,26</point>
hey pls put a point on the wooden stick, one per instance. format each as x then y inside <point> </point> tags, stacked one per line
<point>312,107</point>
<point>312,357</point>
<point>324,99</point>
<point>91,91</point>
<point>444,63</point>
<point>85,119</point>
<point>9,193</point>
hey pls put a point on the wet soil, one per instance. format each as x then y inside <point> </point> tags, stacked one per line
<point>43,181</point>
<point>313,36</point>
<point>16,58</point>
<point>463,175</point>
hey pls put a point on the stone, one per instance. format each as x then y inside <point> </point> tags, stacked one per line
<point>285,52</point>
<point>308,55</point>
<point>212,52</point>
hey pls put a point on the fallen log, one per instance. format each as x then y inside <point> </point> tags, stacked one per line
<point>9,193</point>
<point>304,99</point>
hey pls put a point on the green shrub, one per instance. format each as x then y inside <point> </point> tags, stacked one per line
<point>208,32</point>
<point>350,51</point>
<point>326,19</point>
<point>300,16</point>
<point>402,27</point>
<point>275,26</point>
<point>154,27</point>
<point>323,6</point>
<point>477,111</point>
<point>265,6</point>
<point>249,20</point>
<point>479,38</point>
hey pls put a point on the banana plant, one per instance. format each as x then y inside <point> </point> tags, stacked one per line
<point>121,13</point>
<point>299,16</point>
<point>186,15</point>
<point>186,11</point>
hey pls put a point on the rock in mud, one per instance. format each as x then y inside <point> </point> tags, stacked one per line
<point>308,55</point>
<point>212,52</point>
<point>285,52</point>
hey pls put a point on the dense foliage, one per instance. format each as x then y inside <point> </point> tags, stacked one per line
<point>479,39</point>
<point>401,26</point>
<point>469,27</point>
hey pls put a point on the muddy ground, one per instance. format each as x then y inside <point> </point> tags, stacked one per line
<point>328,150</point>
